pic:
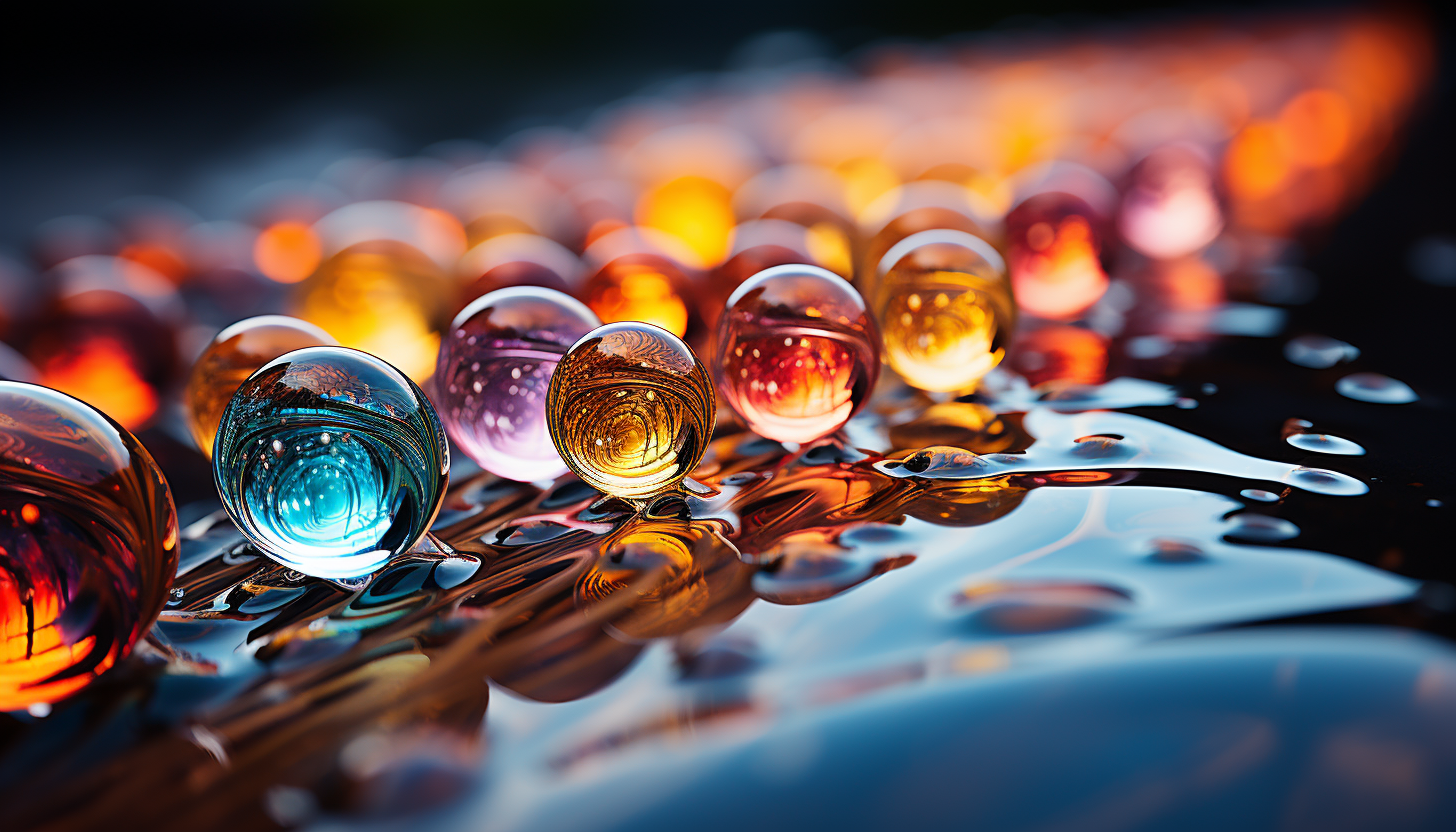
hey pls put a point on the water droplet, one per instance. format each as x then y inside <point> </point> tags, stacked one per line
<point>1035,607</point>
<point>1262,528</point>
<point>1321,481</point>
<point>1375,388</point>
<point>1260,494</point>
<point>1323,443</point>
<point>1434,503</point>
<point>1209,388</point>
<point>1185,404</point>
<point>1319,351</point>
<point>1171,550</point>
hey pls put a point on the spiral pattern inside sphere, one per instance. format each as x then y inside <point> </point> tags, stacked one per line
<point>331,461</point>
<point>631,409</point>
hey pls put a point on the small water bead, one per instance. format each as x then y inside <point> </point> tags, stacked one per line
<point>1321,481</point>
<point>233,355</point>
<point>945,308</point>
<point>494,369</point>
<point>631,409</point>
<point>798,353</point>
<point>1260,494</point>
<point>1261,528</point>
<point>1319,351</point>
<point>331,461</point>
<point>88,544</point>
<point>1322,443</point>
<point>1375,388</point>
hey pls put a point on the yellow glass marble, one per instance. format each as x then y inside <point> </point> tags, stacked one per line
<point>631,409</point>
<point>945,308</point>
<point>231,357</point>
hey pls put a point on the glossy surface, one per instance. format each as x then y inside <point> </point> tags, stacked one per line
<point>798,353</point>
<point>331,461</point>
<point>494,369</point>
<point>945,308</point>
<point>88,544</point>
<point>231,357</point>
<point>631,410</point>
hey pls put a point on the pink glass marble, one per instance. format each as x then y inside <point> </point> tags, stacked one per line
<point>798,353</point>
<point>495,364</point>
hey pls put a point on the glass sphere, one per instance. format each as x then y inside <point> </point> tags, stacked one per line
<point>631,409</point>
<point>331,461</point>
<point>798,353</point>
<point>232,356</point>
<point>382,297</point>
<point>495,366</point>
<point>946,309</point>
<point>88,544</point>
<point>1055,255</point>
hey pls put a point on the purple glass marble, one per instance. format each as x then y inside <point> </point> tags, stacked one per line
<point>495,364</point>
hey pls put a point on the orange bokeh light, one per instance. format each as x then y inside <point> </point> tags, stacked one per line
<point>697,211</point>
<point>287,252</point>
<point>1256,166</point>
<point>1314,128</point>
<point>159,258</point>
<point>102,372</point>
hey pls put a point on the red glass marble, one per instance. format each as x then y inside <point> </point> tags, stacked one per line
<point>1054,255</point>
<point>88,544</point>
<point>798,353</point>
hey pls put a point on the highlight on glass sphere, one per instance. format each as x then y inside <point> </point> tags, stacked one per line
<point>798,353</point>
<point>631,409</point>
<point>495,366</point>
<point>233,355</point>
<point>914,207</point>
<point>1054,254</point>
<point>88,544</point>
<point>945,308</point>
<point>641,274</point>
<point>331,461</point>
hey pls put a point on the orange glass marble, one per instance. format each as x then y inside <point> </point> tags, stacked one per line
<point>637,276</point>
<point>88,544</point>
<point>946,309</point>
<point>231,357</point>
<point>915,207</point>
<point>798,353</point>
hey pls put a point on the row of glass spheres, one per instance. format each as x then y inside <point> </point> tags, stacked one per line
<point>332,461</point>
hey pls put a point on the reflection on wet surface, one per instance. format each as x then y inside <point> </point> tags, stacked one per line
<point>792,609</point>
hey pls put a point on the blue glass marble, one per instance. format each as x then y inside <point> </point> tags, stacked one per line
<point>331,461</point>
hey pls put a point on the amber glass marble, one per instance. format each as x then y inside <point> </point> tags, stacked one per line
<point>913,208</point>
<point>88,544</point>
<point>383,297</point>
<point>631,409</point>
<point>232,356</point>
<point>644,287</point>
<point>798,353</point>
<point>946,309</point>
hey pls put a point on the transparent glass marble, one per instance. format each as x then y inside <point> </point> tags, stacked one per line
<point>88,544</point>
<point>331,461</point>
<point>495,365</point>
<point>631,409</point>
<point>798,353</point>
<point>946,309</point>
<point>231,357</point>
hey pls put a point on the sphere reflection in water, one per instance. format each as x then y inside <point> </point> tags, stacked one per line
<point>631,409</point>
<point>88,544</point>
<point>798,353</point>
<point>331,461</point>
<point>495,366</point>
<point>234,354</point>
<point>946,309</point>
